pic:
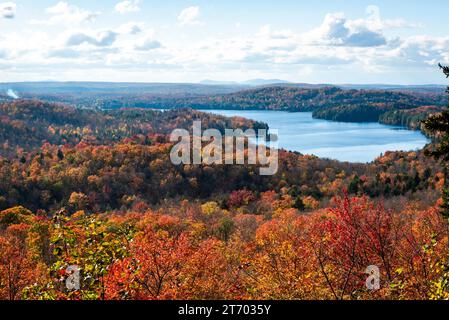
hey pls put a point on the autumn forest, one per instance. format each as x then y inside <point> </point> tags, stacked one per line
<point>95,188</point>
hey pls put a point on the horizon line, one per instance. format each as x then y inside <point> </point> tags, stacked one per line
<point>227,83</point>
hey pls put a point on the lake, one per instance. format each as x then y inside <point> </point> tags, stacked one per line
<point>353,142</point>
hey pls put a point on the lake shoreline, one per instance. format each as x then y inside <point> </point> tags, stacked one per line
<point>355,142</point>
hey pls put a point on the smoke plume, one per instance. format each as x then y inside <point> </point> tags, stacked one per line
<point>12,94</point>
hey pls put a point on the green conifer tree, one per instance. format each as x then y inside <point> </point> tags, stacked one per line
<point>438,125</point>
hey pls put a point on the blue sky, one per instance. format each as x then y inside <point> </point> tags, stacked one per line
<point>326,41</point>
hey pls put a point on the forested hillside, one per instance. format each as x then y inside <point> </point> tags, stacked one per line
<point>51,151</point>
<point>28,124</point>
<point>96,189</point>
<point>286,98</point>
<point>330,103</point>
<point>411,118</point>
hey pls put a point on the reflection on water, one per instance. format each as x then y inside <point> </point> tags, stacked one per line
<point>355,142</point>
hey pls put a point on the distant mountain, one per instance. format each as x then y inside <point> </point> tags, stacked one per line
<point>252,83</point>
<point>331,103</point>
<point>427,88</point>
<point>208,82</point>
<point>206,87</point>
<point>48,89</point>
<point>271,94</point>
<point>264,82</point>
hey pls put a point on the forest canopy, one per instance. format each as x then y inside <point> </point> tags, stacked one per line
<point>95,189</point>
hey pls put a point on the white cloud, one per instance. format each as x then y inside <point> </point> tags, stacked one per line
<point>375,22</point>
<point>98,39</point>
<point>336,30</point>
<point>7,10</point>
<point>64,53</point>
<point>189,16</point>
<point>128,6</point>
<point>64,13</point>
<point>148,44</point>
<point>338,47</point>
<point>422,50</point>
<point>266,31</point>
<point>131,28</point>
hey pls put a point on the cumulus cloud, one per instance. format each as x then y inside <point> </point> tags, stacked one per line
<point>128,6</point>
<point>337,30</point>
<point>131,28</point>
<point>266,31</point>
<point>337,43</point>
<point>189,16</point>
<point>148,44</point>
<point>64,13</point>
<point>374,21</point>
<point>422,50</point>
<point>64,53</point>
<point>99,39</point>
<point>7,10</point>
<point>365,38</point>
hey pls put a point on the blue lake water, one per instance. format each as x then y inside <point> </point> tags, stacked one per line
<point>354,142</point>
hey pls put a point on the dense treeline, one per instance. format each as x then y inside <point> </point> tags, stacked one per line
<point>293,99</point>
<point>91,94</point>
<point>330,103</point>
<point>412,118</point>
<point>112,177</point>
<point>354,113</point>
<point>28,124</point>
<point>96,190</point>
<point>201,251</point>
<point>57,155</point>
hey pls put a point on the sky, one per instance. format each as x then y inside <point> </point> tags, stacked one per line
<point>326,41</point>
